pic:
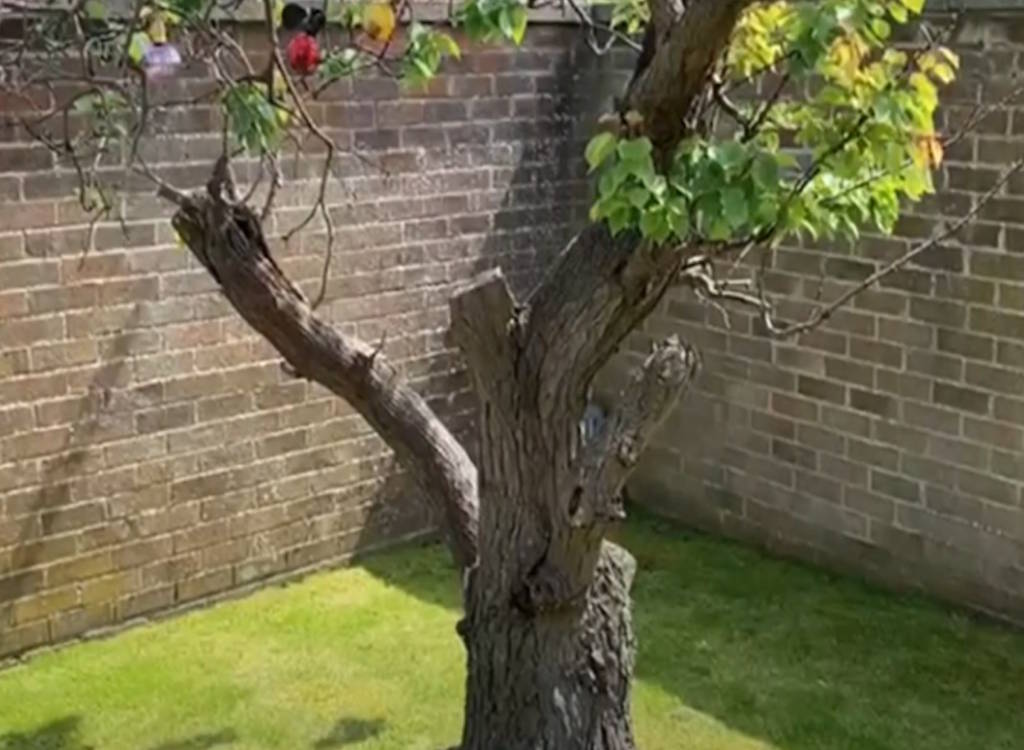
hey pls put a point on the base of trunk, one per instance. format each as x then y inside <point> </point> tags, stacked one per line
<point>557,680</point>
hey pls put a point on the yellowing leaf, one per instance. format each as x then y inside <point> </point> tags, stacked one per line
<point>944,73</point>
<point>951,57</point>
<point>280,87</point>
<point>927,151</point>
<point>379,21</point>
<point>447,45</point>
<point>137,48</point>
<point>157,29</point>
<point>601,146</point>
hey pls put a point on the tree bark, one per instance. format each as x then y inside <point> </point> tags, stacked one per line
<point>228,240</point>
<point>557,680</point>
<point>548,630</point>
<point>548,627</point>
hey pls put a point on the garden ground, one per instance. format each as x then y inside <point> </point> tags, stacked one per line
<point>737,652</point>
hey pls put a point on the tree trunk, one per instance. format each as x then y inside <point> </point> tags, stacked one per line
<point>548,626</point>
<point>557,680</point>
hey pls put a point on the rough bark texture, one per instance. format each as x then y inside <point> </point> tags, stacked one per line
<point>558,679</point>
<point>690,37</point>
<point>547,627</point>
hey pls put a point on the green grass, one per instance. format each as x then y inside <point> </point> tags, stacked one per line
<point>737,652</point>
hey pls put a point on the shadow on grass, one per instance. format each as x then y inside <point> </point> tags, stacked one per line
<point>348,731</point>
<point>61,734</point>
<point>796,657</point>
<point>200,741</point>
<point>65,734</point>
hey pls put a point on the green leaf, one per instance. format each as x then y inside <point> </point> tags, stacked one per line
<point>96,9</point>
<point>601,146</point>
<point>137,48</point>
<point>914,6</point>
<point>680,223</point>
<point>637,149</point>
<point>638,197</point>
<point>608,183</point>
<point>766,172</point>
<point>720,230</point>
<point>655,183</point>
<point>447,45</point>
<point>620,219</point>
<point>731,155</point>
<point>655,225</point>
<point>734,207</point>
<point>519,20</point>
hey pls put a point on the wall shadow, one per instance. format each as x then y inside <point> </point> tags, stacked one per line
<point>53,492</point>
<point>531,225</point>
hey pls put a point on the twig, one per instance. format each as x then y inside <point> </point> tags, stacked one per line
<point>709,286</point>
<point>592,26</point>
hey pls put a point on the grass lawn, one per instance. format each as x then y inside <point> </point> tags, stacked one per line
<point>737,652</point>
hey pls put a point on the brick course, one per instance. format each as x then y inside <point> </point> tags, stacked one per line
<point>152,451</point>
<point>889,441</point>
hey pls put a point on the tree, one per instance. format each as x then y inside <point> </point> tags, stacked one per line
<point>747,124</point>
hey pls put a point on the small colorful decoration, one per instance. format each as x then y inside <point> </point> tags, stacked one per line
<point>303,51</point>
<point>160,58</point>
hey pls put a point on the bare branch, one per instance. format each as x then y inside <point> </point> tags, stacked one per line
<point>592,27</point>
<point>227,239</point>
<point>751,293</point>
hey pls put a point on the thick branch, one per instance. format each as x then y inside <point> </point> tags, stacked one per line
<point>228,240</point>
<point>678,74</point>
<point>646,400</point>
<point>600,288</point>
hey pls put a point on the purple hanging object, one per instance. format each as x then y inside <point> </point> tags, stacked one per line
<point>161,60</point>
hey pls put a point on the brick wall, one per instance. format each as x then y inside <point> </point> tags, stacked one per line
<point>152,451</point>
<point>890,441</point>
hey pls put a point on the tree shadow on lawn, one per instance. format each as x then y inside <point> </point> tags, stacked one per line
<point>348,731</point>
<point>61,734</point>
<point>65,734</point>
<point>797,657</point>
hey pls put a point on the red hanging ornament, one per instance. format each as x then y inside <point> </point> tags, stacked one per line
<point>303,54</point>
